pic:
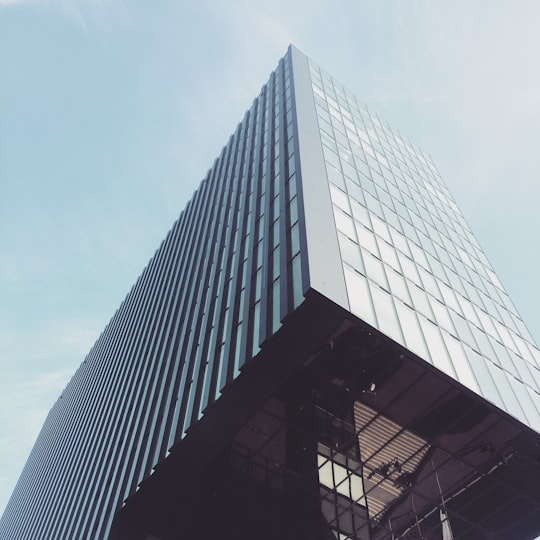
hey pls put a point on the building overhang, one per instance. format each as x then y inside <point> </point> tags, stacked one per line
<point>422,445</point>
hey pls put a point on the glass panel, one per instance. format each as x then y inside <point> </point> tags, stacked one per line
<point>354,190</point>
<point>523,350</point>
<point>340,479</point>
<point>325,471</point>
<point>374,269</point>
<point>413,336</point>
<point>388,254</point>
<point>409,269</point>
<point>360,214</point>
<point>359,298</point>
<point>275,263</point>
<point>505,390</point>
<point>505,336</point>
<point>335,176</point>
<point>398,286</point>
<point>380,228</point>
<point>357,488</point>
<point>256,327</point>
<point>430,284</point>
<point>344,223</point>
<point>442,317</point>
<point>385,312</point>
<point>482,374</point>
<point>526,371</point>
<point>483,341</point>
<point>295,239</point>
<point>531,414</point>
<point>275,306</point>
<point>535,398</point>
<point>339,198</point>
<point>420,301</point>
<point>460,362</point>
<point>366,239</point>
<point>350,253</point>
<point>463,330</point>
<point>502,357</point>
<point>486,322</point>
<point>297,281</point>
<point>436,347</point>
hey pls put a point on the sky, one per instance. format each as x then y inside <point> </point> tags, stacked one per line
<point>111,113</point>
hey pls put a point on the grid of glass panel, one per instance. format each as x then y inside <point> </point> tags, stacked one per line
<point>412,267</point>
<point>217,288</point>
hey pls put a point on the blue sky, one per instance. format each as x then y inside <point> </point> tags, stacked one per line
<point>111,112</point>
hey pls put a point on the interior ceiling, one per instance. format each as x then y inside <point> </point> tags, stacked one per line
<point>427,448</point>
<point>391,457</point>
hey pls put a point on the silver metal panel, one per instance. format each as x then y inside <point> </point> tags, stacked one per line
<point>324,259</point>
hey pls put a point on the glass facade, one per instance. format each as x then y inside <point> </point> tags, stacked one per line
<point>412,267</point>
<point>280,314</point>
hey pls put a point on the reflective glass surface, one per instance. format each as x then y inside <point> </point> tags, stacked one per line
<point>413,268</point>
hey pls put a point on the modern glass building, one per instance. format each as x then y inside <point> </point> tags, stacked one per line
<point>318,349</point>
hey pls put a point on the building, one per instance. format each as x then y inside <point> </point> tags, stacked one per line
<point>318,349</point>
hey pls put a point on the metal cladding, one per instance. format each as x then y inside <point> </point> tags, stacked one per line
<point>319,236</point>
<point>220,283</point>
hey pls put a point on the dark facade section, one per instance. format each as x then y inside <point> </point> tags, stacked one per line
<point>336,431</point>
<point>220,284</point>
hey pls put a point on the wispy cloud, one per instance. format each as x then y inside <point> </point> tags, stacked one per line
<point>10,3</point>
<point>100,15</point>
